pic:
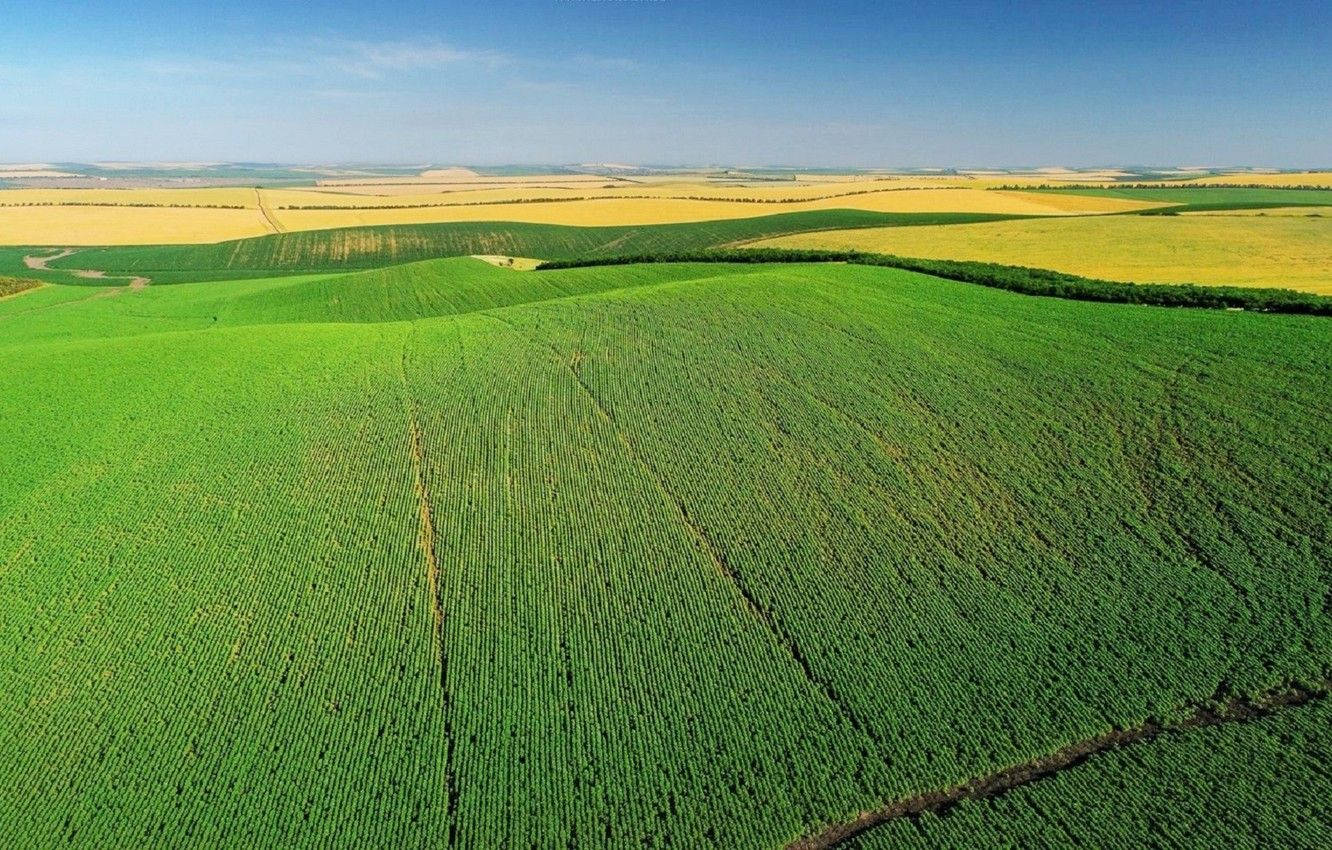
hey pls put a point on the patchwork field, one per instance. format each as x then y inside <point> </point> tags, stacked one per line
<point>114,217</point>
<point>695,555</point>
<point>1292,252</point>
<point>90,216</point>
<point>369,247</point>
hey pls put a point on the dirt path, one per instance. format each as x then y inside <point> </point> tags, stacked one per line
<point>993,785</point>
<point>40,264</point>
<point>267,214</point>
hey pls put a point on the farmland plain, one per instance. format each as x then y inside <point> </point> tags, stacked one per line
<point>660,555</point>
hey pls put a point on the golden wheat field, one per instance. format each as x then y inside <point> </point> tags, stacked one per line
<point>1319,179</point>
<point>1294,252</point>
<point>126,225</point>
<point>230,196</point>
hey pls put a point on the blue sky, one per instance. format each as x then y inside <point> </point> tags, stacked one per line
<point>669,81</point>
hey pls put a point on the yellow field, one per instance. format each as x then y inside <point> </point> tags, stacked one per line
<point>1320,179</point>
<point>661,210</point>
<point>228,196</point>
<point>1283,251</point>
<point>125,225</point>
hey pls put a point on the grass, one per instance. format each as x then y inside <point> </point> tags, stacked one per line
<point>371,247</point>
<point>1277,251</point>
<point>456,554</point>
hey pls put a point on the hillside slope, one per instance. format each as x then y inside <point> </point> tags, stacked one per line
<point>661,556</point>
<point>373,247</point>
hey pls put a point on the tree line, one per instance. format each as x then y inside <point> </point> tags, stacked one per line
<point>1021,279</point>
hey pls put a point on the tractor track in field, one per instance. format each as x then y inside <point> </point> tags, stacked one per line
<point>752,605</point>
<point>267,214</point>
<point>939,802</point>
<point>136,282</point>
<point>426,543</point>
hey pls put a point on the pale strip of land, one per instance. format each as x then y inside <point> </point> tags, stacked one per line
<point>521,264</point>
<point>1288,212</point>
<point>1277,251</point>
<point>33,172</point>
<point>231,196</point>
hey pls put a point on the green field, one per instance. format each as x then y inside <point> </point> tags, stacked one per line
<point>669,555</point>
<point>1182,790</point>
<point>371,247</point>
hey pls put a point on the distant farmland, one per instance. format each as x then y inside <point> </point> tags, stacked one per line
<point>1288,251</point>
<point>175,216</point>
<point>370,247</point>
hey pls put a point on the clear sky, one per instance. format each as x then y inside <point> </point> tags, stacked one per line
<point>929,83</point>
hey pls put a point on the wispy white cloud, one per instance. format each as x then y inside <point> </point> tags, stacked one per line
<point>376,57</point>
<point>604,63</point>
<point>326,58</point>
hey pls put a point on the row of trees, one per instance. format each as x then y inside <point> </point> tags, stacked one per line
<point>1028,281</point>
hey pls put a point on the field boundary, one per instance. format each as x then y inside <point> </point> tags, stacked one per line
<point>1213,713</point>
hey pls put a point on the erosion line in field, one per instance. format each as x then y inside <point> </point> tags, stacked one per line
<point>1236,710</point>
<point>426,542</point>
<point>136,282</point>
<point>752,605</point>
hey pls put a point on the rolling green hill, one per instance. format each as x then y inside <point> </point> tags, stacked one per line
<point>678,555</point>
<point>373,247</point>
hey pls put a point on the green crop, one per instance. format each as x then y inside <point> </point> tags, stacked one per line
<point>1261,784</point>
<point>695,555</point>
